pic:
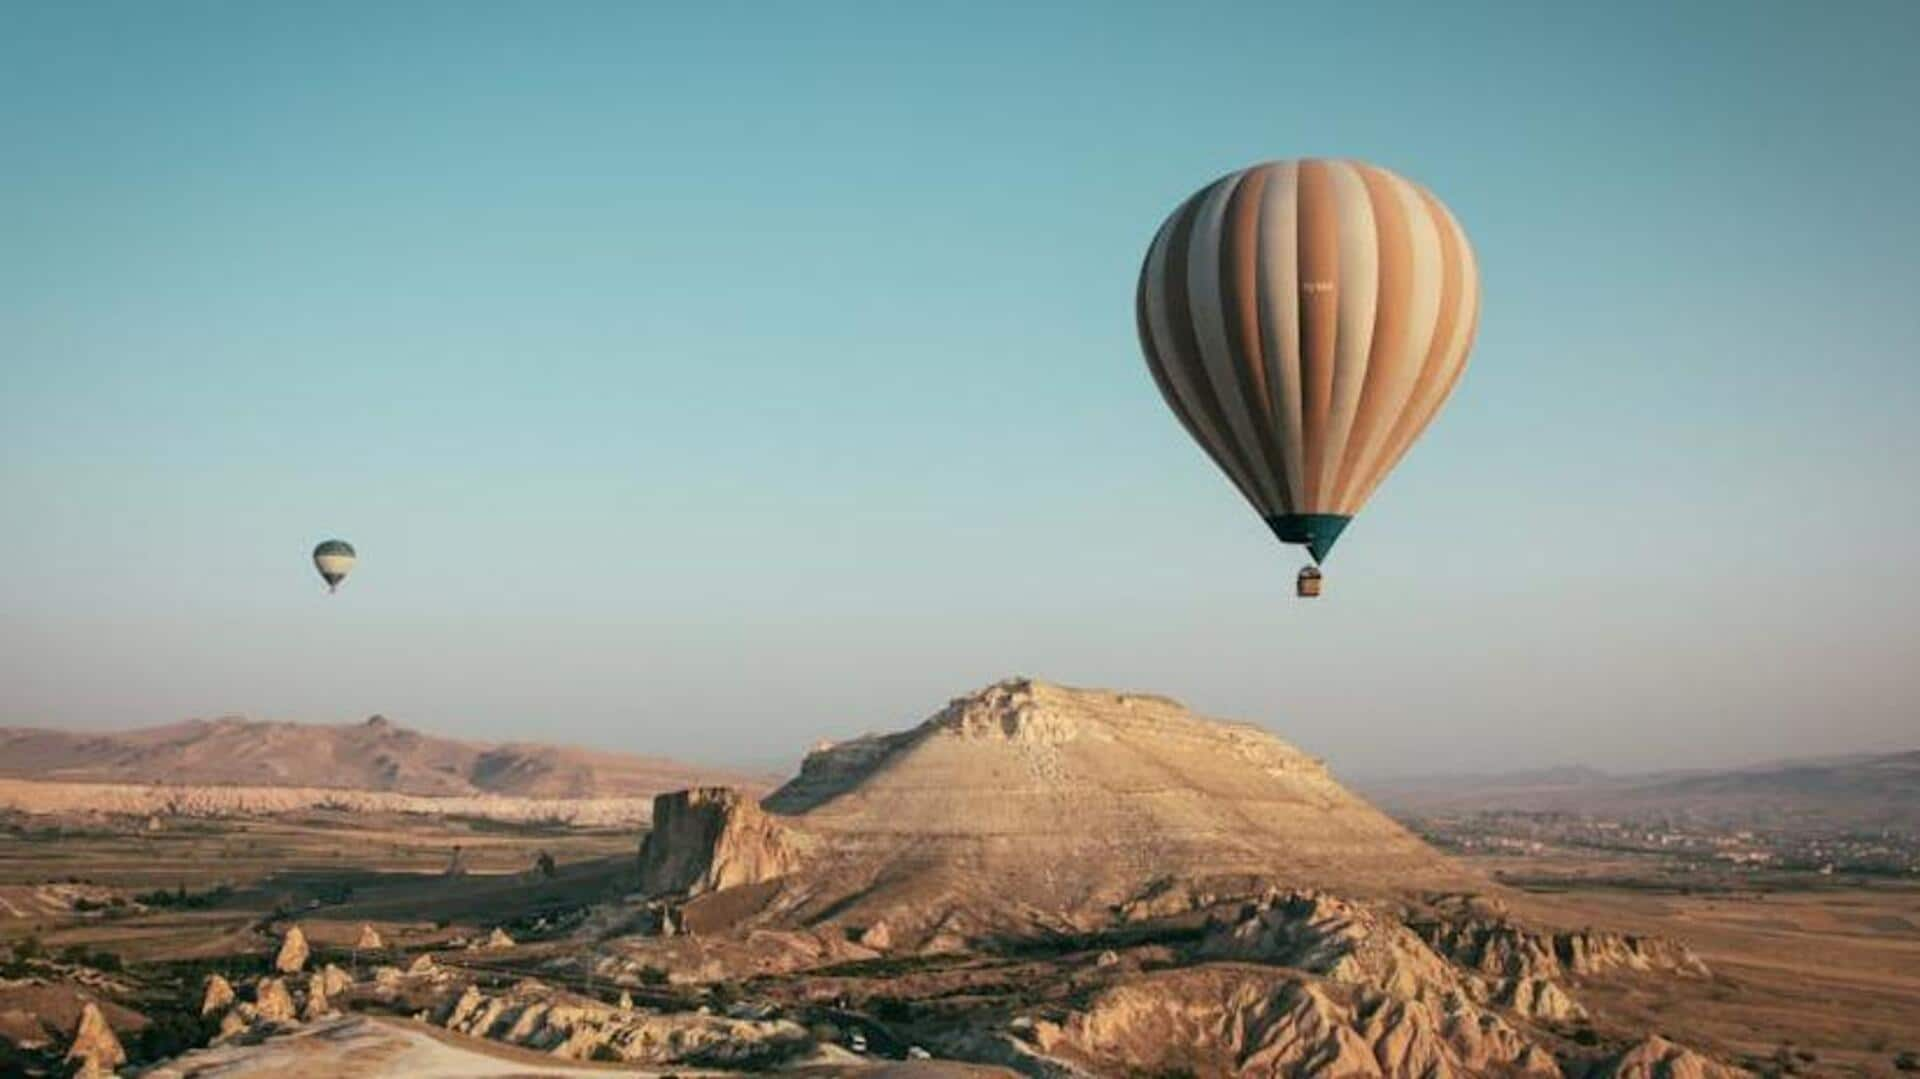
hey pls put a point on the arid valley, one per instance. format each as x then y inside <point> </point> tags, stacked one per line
<point>1034,881</point>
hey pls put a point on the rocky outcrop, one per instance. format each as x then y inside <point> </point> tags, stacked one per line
<point>218,996</point>
<point>878,936</point>
<point>1357,944</point>
<point>1228,1020</point>
<point>387,976</point>
<point>317,1005</point>
<point>1342,941</point>
<point>1658,1058</point>
<point>710,838</point>
<point>562,1025</point>
<point>332,980</point>
<point>1502,947</point>
<point>292,958</point>
<point>95,1049</point>
<point>272,1002</point>
<point>1538,998</point>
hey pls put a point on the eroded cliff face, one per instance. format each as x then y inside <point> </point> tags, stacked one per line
<point>1657,1058</point>
<point>1236,1020</point>
<point>1498,946</point>
<point>578,1028</point>
<point>710,838</point>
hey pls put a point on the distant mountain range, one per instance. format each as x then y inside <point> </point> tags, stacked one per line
<point>377,755</point>
<point>1867,791</point>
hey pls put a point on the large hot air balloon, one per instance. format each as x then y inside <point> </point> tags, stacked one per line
<point>1305,320</point>
<point>334,559</point>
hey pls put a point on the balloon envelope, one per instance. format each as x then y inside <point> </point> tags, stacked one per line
<point>334,559</point>
<point>1305,320</point>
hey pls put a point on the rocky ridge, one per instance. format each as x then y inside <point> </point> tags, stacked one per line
<point>377,755</point>
<point>170,800</point>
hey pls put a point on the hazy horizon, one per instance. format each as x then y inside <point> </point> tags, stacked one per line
<point>782,763</point>
<point>702,385</point>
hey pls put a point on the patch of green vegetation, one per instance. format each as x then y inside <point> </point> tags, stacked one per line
<point>181,899</point>
<point>79,956</point>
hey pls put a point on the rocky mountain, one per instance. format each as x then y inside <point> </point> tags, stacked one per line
<point>1839,793</point>
<point>377,755</point>
<point>1075,882</point>
<point>1031,803</point>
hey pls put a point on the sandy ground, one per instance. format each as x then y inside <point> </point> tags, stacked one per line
<point>372,1047</point>
<point>1834,972</point>
<point>357,1046</point>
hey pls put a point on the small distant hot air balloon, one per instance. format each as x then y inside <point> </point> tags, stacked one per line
<point>334,559</point>
<point>1305,320</point>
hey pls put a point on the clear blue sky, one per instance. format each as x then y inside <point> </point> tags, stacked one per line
<point>708,379</point>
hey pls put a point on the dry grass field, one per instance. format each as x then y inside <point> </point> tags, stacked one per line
<point>1826,973</point>
<point>330,871</point>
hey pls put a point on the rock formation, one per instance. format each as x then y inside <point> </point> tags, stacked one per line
<point>711,838</point>
<point>317,1006</point>
<point>1064,882</point>
<point>218,996</point>
<point>1499,946</point>
<point>292,957</point>
<point>562,1025</point>
<point>1242,912</point>
<point>95,1049</point>
<point>877,936</point>
<point>1658,1058</point>
<point>1226,1020</point>
<point>333,981</point>
<point>368,940</point>
<point>954,828</point>
<point>272,1002</point>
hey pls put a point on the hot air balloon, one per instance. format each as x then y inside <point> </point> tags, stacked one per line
<point>1305,320</point>
<point>334,559</point>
